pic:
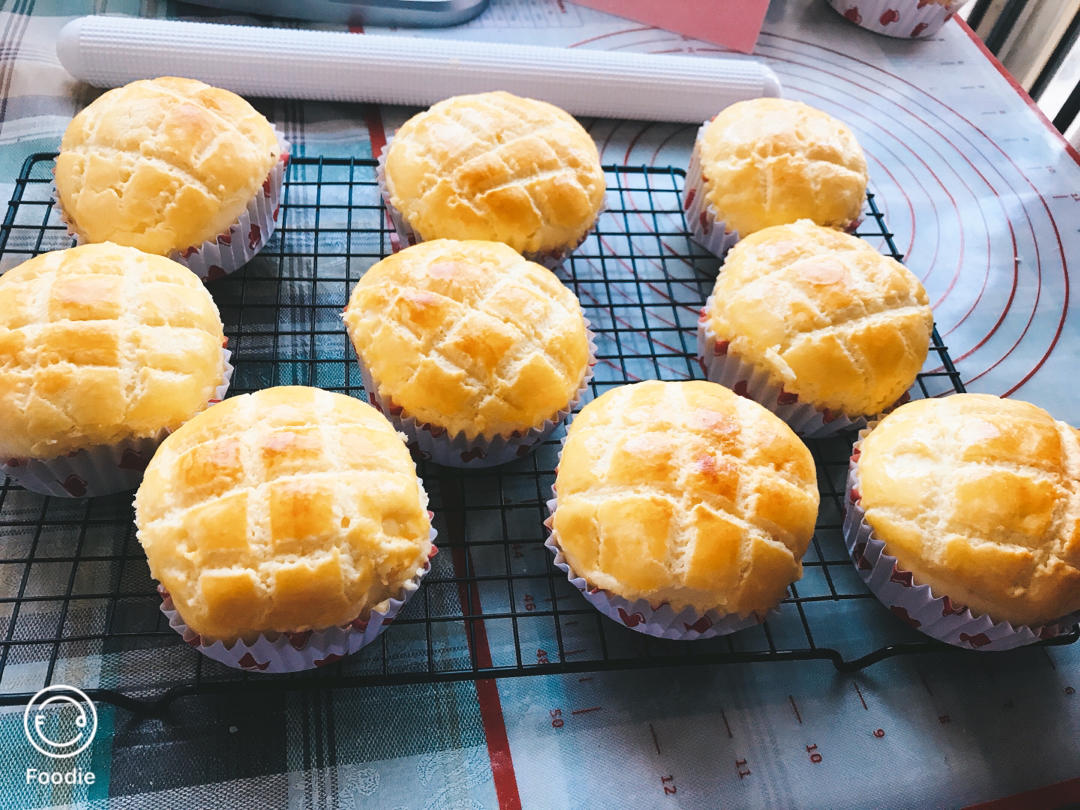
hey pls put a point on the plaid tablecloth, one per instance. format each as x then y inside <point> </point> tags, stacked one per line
<point>983,198</point>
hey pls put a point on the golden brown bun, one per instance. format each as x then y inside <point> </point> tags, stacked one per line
<point>162,164</point>
<point>469,336</point>
<point>288,509</point>
<point>99,344</point>
<point>839,324</point>
<point>978,497</point>
<point>770,161</point>
<point>499,167</point>
<point>686,493</point>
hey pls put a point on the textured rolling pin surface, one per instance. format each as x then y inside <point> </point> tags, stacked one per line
<point>110,51</point>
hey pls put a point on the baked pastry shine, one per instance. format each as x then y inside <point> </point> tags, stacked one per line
<point>840,325</point>
<point>770,161</point>
<point>496,166</point>
<point>162,164</point>
<point>684,492</point>
<point>285,510</point>
<point>469,336</point>
<point>979,497</point>
<point>102,343</point>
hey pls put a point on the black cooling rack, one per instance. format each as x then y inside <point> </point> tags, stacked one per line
<point>77,604</point>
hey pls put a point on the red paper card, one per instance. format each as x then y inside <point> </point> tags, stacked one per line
<point>733,23</point>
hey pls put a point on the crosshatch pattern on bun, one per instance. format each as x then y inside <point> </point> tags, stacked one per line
<point>685,493</point>
<point>771,161</point>
<point>469,337</point>
<point>979,498</point>
<point>99,344</point>
<point>496,166</point>
<point>837,323</point>
<point>162,164</point>
<point>282,511</point>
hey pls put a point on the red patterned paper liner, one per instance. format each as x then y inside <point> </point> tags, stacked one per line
<point>102,469</point>
<point>915,604</point>
<point>704,223</point>
<point>232,249</point>
<point>721,364</point>
<point>306,649</point>
<point>434,443</point>
<point>902,19</point>
<point>407,236</point>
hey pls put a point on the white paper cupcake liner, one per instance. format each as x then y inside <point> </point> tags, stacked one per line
<point>100,470</point>
<point>433,443</point>
<point>661,621</point>
<point>293,652</point>
<point>553,259</point>
<point>235,247</point>
<point>916,605</point>
<point>724,366</point>
<point>706,227</point>
<point>903,19</point>
<point>407,236</point>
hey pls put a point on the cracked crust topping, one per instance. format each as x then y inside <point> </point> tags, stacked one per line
<point>499,167</point>
<point>469,336</point>
<point>977,496</point>
<point>684,492</point>
<point>102,343</point>
<point>833,320</point>
<point>162,164</point>
<point>285,510</point>
<point>770,161</point>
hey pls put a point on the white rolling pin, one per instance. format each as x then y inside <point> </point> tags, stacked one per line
<point>332,66</point>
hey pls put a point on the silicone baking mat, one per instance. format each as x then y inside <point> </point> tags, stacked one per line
<point>79,605</point>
